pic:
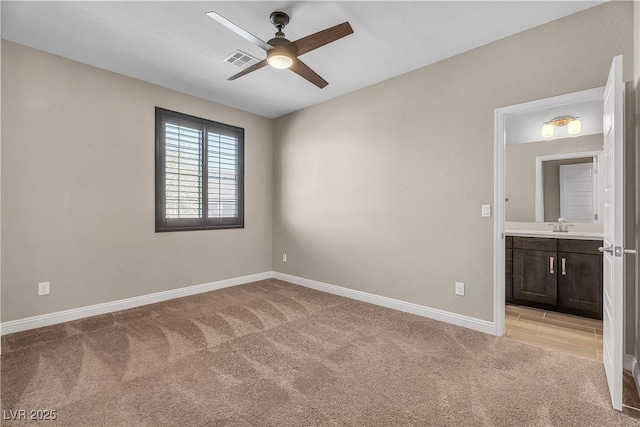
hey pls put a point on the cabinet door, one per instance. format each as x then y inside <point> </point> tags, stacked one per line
<point>508,268</point>
<point>580,282</point>
<point>534,276</point>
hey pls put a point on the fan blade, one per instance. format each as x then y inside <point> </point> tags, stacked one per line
<point>314,41</point>
<point>303,70</point>
<point>247,70</point>
<point>240,31</point>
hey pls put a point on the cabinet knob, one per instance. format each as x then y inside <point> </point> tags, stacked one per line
<point>551,265</point>
<point>564,266</point>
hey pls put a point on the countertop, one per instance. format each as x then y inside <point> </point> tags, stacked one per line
<point>576,235</point>
<point>578,231</point>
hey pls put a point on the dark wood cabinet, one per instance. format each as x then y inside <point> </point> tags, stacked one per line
<point>555,274</point>
<point>580,276</point>
<point>534,270</point>
<point>508,267</point>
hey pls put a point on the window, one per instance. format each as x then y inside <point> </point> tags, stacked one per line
<point>199,173</point>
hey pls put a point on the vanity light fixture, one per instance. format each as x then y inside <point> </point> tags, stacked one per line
<point>574,125</point>
<point>547,130</point>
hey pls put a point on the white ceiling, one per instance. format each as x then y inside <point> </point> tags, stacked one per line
<point>175,45</point>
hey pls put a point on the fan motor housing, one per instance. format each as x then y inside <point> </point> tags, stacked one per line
<point>279,19</point>
<point>278,41</point>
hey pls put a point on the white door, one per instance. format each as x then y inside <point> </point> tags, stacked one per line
<point>613,285</point>
<point>577,201</point>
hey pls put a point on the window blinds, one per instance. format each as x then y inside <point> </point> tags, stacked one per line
<point>199,173</point>
<point>222,167</point>
<point>183,172</point>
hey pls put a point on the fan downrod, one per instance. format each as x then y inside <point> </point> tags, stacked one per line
<point>280,20</point>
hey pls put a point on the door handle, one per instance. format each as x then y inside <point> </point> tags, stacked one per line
<point>550,265</point>
<point>609,249</point>
<point>564,266</point>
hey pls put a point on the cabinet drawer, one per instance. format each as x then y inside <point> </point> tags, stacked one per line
<point>535,243</point>
<point>579,246</point>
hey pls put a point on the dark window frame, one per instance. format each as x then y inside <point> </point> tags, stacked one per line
<point>164,224</point>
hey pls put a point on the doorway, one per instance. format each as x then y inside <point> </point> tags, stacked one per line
<point>612,97</point>
<point>547,179</point>
<point>524,206</point>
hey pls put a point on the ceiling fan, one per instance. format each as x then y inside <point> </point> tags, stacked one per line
<point>282,53</point>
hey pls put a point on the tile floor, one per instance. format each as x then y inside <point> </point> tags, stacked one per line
<point>579,336</point>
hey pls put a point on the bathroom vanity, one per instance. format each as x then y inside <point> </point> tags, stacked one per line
<point>554,271</point>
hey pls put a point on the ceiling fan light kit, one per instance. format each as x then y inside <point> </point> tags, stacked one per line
<point>279,59</point>
<point>282,53</point>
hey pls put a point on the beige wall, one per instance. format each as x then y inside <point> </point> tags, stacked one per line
<point>631,193</point>
<point>0,181</point>
<point>636,80</point>
<point>380,190</point>
<point>520,172</point>
<point>630,214</point>
<point>78,189</point>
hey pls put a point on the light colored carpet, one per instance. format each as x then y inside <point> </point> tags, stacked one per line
<point>630,396</point>
<point>275,354</point>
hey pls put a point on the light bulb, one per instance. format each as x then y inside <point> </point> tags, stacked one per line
<point>279,60</point>
<point>574,127</point>
<point>547,130</point>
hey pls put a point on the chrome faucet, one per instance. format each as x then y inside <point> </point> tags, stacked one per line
<point>561,226</point>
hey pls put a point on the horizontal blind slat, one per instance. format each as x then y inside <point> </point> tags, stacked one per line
<point>223,176</point>
<point>183,172</point>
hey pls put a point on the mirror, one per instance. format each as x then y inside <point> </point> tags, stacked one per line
<point>558,205</point>
<point>546,180</point>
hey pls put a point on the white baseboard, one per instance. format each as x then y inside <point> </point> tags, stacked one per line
<point>628,361</point>
<point>631,364</point>
<point>123,304</point>
<point>407,307</point>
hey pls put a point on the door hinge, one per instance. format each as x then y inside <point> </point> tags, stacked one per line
<point>595,217</point>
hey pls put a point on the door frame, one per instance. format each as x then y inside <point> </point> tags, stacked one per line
<point>500,118</point>
<point>563,156</point>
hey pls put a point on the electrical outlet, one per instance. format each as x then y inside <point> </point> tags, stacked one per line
<point>284,257</point>
<point>43,288</point>
<point>459,288</point>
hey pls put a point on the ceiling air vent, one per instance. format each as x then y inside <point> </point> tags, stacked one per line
<point>241,59</point>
